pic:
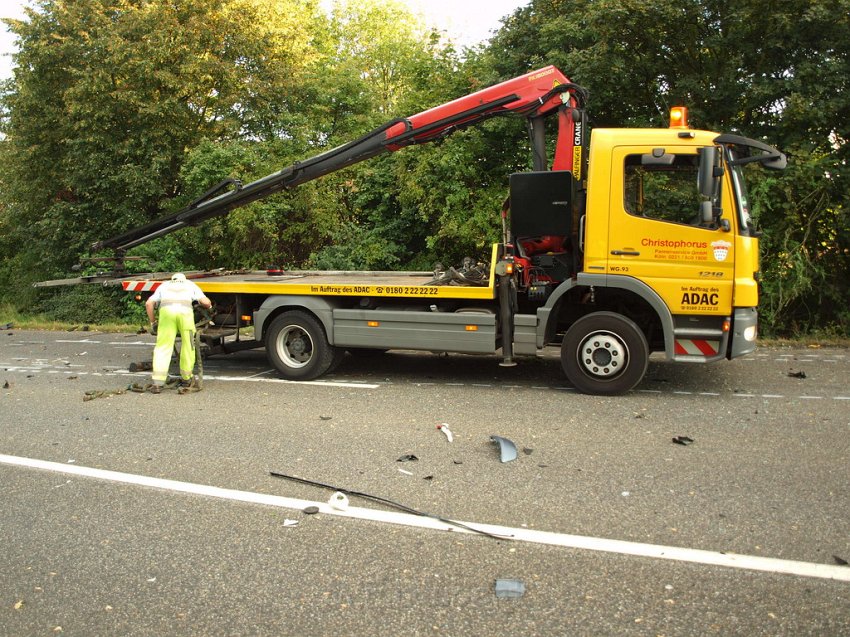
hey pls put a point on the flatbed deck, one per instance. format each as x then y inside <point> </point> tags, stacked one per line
<point>323,283</point>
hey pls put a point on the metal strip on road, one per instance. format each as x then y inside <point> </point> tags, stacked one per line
<point>622,547</point>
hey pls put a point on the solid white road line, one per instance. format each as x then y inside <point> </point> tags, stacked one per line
<point>694,556</point>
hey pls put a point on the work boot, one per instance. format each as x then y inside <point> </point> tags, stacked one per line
<point>190,384</point>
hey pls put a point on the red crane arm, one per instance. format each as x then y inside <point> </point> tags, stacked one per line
<point>534,95</point>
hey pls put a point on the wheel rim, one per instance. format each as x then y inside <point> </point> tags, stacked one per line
<point>603,355</point>
<point>295,346</point>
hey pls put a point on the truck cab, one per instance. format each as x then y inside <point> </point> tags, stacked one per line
<point>668,256</point>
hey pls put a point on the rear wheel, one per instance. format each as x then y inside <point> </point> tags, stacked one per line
<point>604,353</point>
<point>298,347</point>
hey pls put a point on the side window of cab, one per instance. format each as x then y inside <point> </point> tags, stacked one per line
<point>664,187</point>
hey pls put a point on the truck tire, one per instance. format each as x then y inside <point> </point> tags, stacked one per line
<point>298,348</point>
<point>604,353</point>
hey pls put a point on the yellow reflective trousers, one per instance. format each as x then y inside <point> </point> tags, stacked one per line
<point>174,320</point>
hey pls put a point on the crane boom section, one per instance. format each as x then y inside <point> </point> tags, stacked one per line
<point>534,95</point>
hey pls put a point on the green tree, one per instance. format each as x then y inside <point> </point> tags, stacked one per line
<point>110,95</point>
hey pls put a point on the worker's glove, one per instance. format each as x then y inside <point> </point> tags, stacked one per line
<point>154,327</point>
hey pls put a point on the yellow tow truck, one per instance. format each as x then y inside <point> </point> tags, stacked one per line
<point>630,241</point>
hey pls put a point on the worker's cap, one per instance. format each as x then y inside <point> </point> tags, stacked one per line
<point>179,277</point>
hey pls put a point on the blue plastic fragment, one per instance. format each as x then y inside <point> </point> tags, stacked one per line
<point>506,588</point>
<point>507,449</point>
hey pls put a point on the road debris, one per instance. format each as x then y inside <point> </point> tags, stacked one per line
<point>444,427</point>
<point>405,472</point>
<point>7,326</point>
<point>840,560</point>
<point>102,393</point>
<point>800,374</point>
<point>311,510</point>
<point>386,501</point>
<point>339,501</point>
<point>683,440</point>
<point>507,449</point>
<point>6,385</point>
<point>509,588</point>
<point>287,523</point>
<point>408,457</point>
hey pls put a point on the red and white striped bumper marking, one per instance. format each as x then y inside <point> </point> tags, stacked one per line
<point>688,347</point>
<point>140,286</point>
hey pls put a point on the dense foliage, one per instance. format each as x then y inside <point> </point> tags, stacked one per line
<point>121,111</point>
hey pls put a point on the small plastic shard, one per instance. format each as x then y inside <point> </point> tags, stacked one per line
<point>310,510</point>
<point>444,427</point>
<point>840,560</point>
<point>509,588</point>
<point>408,457</point>
<point>325,417</point>
<point>290,523</point>
<point>800,374</point>
<point>527,450</point>
<point>507,449</point>
<point>683,440</point>
<point>407,473</point>
<point>339,501</point>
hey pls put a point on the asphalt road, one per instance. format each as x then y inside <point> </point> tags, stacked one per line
<point>137,514</point>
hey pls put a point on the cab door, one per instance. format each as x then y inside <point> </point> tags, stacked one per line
<point>658,233</point>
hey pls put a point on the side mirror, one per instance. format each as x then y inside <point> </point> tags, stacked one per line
<point>706,175</point>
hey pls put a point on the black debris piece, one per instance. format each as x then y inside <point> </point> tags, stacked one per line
<point>509,588</point>
<point>840,560</point>
<point>458,461</point>
<point>683,440</point>
<point>507,449</point>
<point>325,417</point>
<point>6,385</point>
<point>527,451</point>
<point>800,374</point>
<point>392,503</point>
<point>428,478</point>
<point>311,510</point>
<point>408,457</point>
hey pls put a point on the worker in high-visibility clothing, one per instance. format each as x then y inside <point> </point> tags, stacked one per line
<point>174,298</point>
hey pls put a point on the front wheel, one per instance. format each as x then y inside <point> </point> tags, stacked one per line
<point>298,348</point>
<point>604,353</point>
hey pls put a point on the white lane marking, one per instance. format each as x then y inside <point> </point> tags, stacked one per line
<point>145,343</point>
<point>262,373</point>
<point>319,383</point>
<point>638,549</point>
<point>67,369</point>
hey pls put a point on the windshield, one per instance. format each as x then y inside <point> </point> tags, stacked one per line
<point>741,151</point>
<point>739,184</point>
